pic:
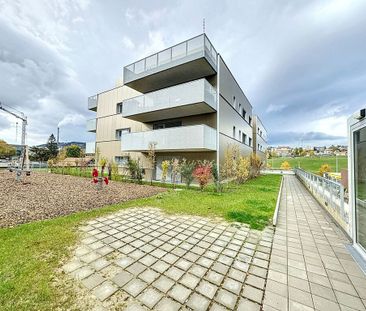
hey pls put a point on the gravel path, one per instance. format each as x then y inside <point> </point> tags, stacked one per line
<point>44,196</point>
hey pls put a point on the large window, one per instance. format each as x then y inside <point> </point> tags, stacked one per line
<point>121,132</point>
<point>250,141</point>
<point>244,138</point>
<point>234,131</point>
<point>166,124</point>
<point>360,185</point>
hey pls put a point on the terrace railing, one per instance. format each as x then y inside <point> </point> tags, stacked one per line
<point>330,194</point>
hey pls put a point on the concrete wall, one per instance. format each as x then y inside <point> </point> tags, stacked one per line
<point>259,137</point>
<point>231,115</point>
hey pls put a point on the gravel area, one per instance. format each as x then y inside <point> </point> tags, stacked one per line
<point>45,195</point>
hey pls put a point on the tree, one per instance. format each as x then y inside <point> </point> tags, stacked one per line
<point>325,168</point>
<point>6,150</point>
<point>175,170</point>
<point>151,155</point>
<point>285,166</point>
<point>52,146</point>
<point>164,168</point>
<point>186,171</point>
<point>73,151</point>
<point>39,154</point>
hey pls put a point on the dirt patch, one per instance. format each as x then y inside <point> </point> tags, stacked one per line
<point>45,195</point>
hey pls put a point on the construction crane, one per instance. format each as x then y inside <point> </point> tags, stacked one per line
<point>24,158</point>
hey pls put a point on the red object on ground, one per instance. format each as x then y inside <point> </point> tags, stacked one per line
<point>95,172</point>
<point>95,180</point>
<point>106,180</point>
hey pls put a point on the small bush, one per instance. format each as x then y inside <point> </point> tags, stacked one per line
<point>243,171</point>
<point>325,168</point>
<point>186,171</point>
<point>203,173</point>
<point>164,167</point>
<point>285,166</point>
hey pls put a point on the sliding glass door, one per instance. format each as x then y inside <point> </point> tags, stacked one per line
<point>359,137</point>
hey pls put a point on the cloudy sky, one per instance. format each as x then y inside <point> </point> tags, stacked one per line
<point>302,64</point>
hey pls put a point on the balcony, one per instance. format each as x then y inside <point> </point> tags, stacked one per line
<point>183,138</point>
<point>91,125</point>
<point>90,147</point>
<point>187,99</point>
<point>93,102</point>
<point>192,59</point>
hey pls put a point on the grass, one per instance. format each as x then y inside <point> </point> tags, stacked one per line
<point>30,253</point>
<point>311,164</point>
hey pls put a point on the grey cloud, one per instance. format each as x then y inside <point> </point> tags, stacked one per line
<point>298,62</point>
<point>298,138</point>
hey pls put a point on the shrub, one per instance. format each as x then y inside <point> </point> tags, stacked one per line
<point>285,166</point>
<point>216,178</point>
<point>135,170</point>
<point>164,167</point>
<point>256,165</point>
<point>175,170</point>
<point>186,171</point>
<point>203,173</point>
<point>243,171</point>
<point>325,168</point>
<point>229,167</point>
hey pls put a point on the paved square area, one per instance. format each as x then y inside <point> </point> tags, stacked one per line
<point>310,267</point>
<point>165,262</point>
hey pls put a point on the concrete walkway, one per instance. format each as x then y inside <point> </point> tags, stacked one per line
<point>310,268</point>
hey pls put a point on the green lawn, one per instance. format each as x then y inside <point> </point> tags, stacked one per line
<point>30,253</point>
<point>311,164</point>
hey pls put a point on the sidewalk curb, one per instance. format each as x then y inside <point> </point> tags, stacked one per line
<point>275,215</point>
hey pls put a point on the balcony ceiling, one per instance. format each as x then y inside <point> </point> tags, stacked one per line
<point>173,112</point>
<point>185,72</point>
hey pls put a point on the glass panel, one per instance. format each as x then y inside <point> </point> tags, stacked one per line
<point>195,45</point>
<point>360,185</point>
<point>151,62</point>
<point>179,51</point>
<point>140,66</point>
<point>164,57</point>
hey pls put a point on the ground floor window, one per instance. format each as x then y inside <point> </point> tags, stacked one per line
<point>121,160</point>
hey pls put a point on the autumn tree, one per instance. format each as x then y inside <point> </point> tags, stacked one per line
<point>324,168</point>
<point>6,150</point>
<point>285,166</point>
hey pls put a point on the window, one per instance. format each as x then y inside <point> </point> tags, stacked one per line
<point>243,113</point>
<point>120,132</point>
<point>250,120</point>
<point>166,124</point>
<point>234,102</point>
<point>239,108</point>
<point>234,131</point>
<point>250,141</point>
<point>244,138</point>
<point>121,160</point>
<point>239,134</point>
<point>119,107</point>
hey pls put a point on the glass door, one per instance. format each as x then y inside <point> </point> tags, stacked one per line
<point>360,185</point>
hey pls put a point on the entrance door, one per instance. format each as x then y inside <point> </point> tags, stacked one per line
<point>359,139</point>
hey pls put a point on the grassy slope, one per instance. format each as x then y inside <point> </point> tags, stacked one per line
<point>30,253</point>
<point>311,164</point>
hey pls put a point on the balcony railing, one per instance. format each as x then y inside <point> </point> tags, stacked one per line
<point>183,138</point>
<point>90,147</point>
<point>191,50</point>
<point>199,92</point>
<point>91,125</point>
<point>93,102</point>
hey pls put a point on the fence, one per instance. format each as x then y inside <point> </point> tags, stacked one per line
<point>330,195</point>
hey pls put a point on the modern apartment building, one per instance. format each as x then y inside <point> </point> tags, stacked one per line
<point>259,138</point>
<point>184,99</point>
